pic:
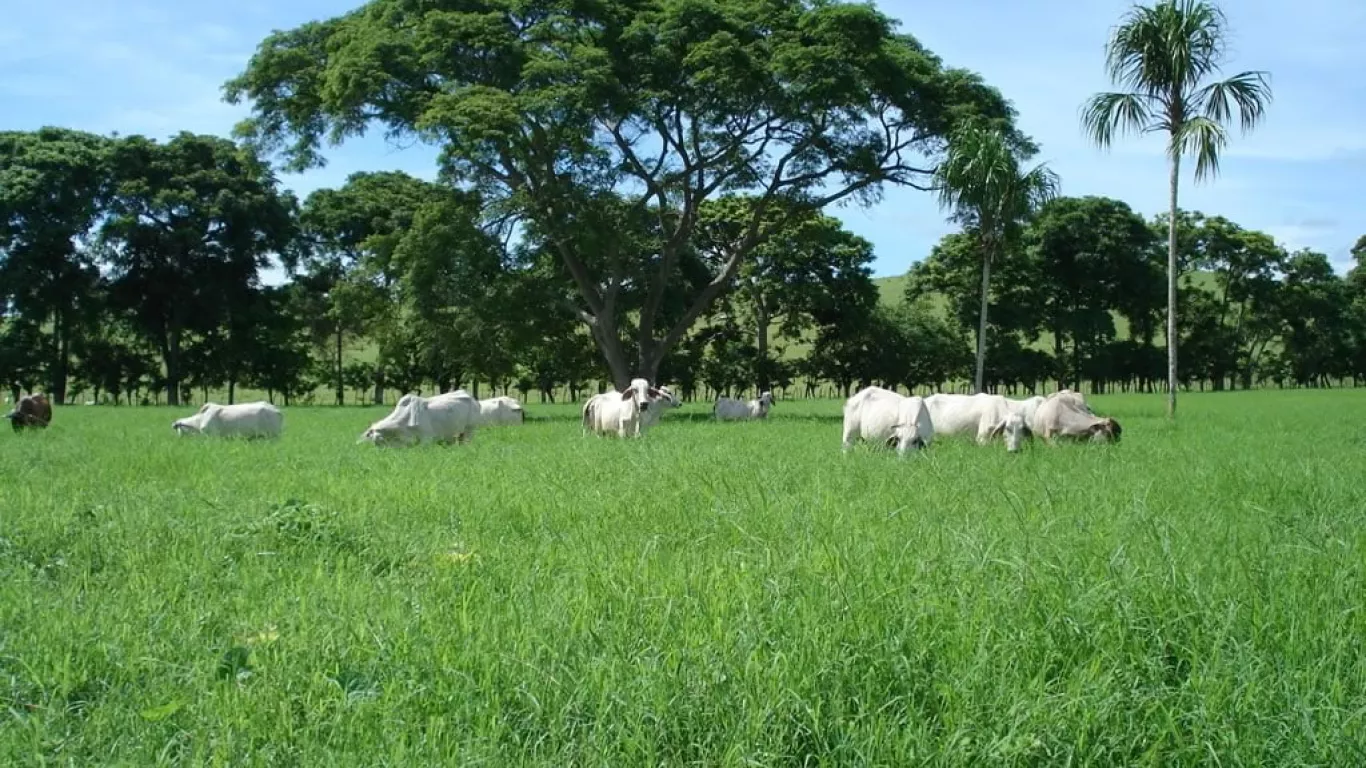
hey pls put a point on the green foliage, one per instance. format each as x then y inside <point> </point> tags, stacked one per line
<point>53,184</point>
<point>547,110</point>
<point>189,225</point>
<point>1164,54</point>
<point>1092,255</point>
<point>535,598</point>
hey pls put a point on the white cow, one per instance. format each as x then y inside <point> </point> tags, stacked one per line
<point>250,420</point>
<point>1065,415</point>
<point>1026,408</point>
<point>986,416</point>
<point>415,419</point>
<point>667,401</point>
<point>883,417</point>
<point>621,413</point>
<point>730,409</point>
<point>501,410</point>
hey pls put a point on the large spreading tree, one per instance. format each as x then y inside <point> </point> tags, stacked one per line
<point>1163,55</point>
<point>550,110</point>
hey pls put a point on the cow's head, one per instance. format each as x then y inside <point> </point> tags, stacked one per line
<point>642,393</point>
<point>184,427</point>
<point>1105,430</point>
<point>1013,429</point>
<point>668,399</point>
<point>766,399</point>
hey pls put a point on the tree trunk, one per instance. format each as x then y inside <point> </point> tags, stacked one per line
<point>1171,288</point>
<point>232,390</point>
<point>612,352</point>
<point>1059,355</point>
<point>982,322</point>
<point>379,386</point>
<point>59,370</point>
<point>341,387</point>
<point>761,343</point>
<point>173,366</point>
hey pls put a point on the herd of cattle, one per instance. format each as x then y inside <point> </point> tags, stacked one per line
<point>873,414</point>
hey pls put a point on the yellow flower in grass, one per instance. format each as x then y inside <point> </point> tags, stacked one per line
<point>265,637</point>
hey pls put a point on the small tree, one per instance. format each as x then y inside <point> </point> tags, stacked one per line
<point>982,182</point>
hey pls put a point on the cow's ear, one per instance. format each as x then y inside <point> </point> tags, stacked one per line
<point>626,394</point>
<point>997,430</point>
<point>1028,433</point>
<point>414,408</point>
<point>654,392</point>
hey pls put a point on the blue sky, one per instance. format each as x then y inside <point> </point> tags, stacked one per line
<point>156,67</point>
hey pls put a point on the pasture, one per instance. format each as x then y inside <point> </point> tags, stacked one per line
<point>716,594</point>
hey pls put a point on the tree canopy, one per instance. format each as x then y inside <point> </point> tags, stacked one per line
<point>550,111</point>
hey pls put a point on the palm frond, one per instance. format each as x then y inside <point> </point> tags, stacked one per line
<point>1167,48</point>
<point>1204,139</point>
<point>1106,114</point>
<point>1249,91</point>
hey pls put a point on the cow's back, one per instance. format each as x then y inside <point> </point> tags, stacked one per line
<point>452,413</point>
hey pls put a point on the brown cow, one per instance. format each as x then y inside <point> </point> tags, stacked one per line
<point>31,411</point>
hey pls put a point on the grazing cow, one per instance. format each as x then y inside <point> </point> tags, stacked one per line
<point>250,420</point>
<point>1066,415</point>
<point>730,409</point>
<point>621,413</point>
<point>443,418</point>
<point>33,411</point>
<point>987,416</point>
<point>885,418</point>
<point>667,401</point>
<point>501,410</point>
<point>1026,408</point>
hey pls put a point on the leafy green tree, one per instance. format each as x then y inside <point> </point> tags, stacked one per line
<point>787,278</point>
<point>350,236</point>
<point>53,184</point>
<point>453,290</point>
<point>952,274</point>
<point>190,224</point>
<point>19,367</point>
<point>1163,54</point>
<point>1316,313</point>
<point>1246,265</point>
<point>1092,256</point>
<point>545,107</point>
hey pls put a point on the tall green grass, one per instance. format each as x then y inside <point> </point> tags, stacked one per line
<point>715,594</point>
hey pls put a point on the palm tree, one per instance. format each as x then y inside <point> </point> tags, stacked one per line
<point>982,182</point>
<point>1161,55</point>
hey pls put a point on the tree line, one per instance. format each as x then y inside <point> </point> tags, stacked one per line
<point>624,190</point>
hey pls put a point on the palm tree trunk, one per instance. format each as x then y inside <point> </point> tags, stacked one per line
<point>1171,289</point>
<point>982,322</point>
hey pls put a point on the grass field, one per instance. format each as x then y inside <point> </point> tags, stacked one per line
<point>717,594</point>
